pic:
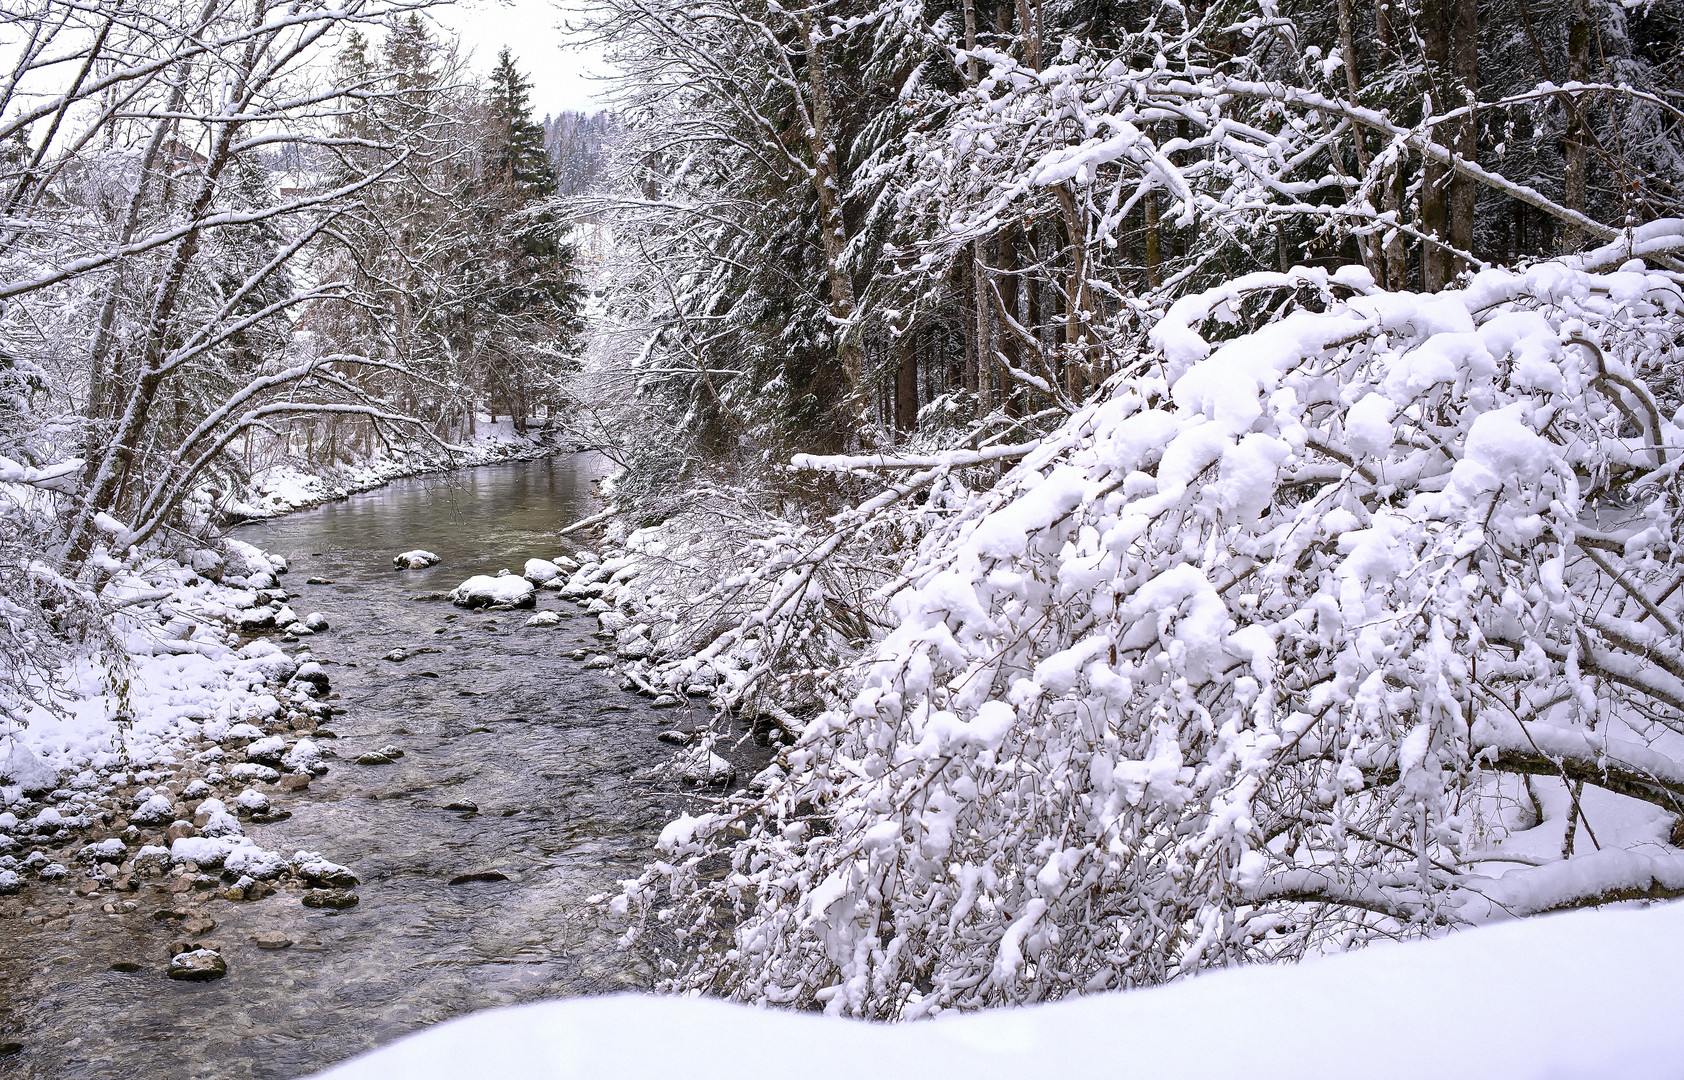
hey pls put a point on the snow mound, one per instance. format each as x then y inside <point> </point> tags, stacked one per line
<point>414,560</point>
<point>545,618</point>
<point>483,590</point>
<point>1588,995</point>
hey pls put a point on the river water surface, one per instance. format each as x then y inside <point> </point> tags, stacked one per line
<point>498,716</point>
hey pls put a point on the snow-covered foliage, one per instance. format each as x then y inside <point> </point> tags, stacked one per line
<point>1352,615</point>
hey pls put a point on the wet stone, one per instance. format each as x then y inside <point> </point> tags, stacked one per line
<point>197,965</point>
<point>464,807</point>
<point>271,939</point>
<point>336,899</point>
<point>373,758</point>
<point>295,781</point>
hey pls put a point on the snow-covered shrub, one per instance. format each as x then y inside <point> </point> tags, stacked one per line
<point>1355,615</point>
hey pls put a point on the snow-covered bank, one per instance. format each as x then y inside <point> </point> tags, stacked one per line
<point>283,488</point>
<point>156,756</point>
<point>1585,995</point>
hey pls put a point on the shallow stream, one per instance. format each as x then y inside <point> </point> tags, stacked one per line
<point>499,716</point>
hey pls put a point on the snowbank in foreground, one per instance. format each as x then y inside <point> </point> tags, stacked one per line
<point>1591,994</point>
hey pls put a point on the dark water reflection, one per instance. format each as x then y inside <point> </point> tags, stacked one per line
<point>499,716</point>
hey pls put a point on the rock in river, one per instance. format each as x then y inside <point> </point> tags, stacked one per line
<point>414,560</point>
<point>495,593</point>
<point>197,965</point>
<point>337,899</point>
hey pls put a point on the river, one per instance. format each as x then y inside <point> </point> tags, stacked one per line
<point>499,716</point>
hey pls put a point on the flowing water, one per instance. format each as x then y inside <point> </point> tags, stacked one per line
<point>498,716</point>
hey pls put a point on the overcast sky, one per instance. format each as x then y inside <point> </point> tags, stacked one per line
<point>531,30</point>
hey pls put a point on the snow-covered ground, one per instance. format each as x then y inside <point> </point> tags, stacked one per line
<point>1590,994</point>
<point>154,757</point>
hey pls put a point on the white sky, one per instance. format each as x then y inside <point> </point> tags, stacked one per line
<point>531,30</point>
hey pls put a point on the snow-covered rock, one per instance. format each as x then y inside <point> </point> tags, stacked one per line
<point>203,850</point>
<point>305,756</point>
<point>315,622</point>
<point>545,618</point>
<point>250,771</point>
<point>155,810</point>
<point>503,592</point>
<point>414,560</point>
<point>20,766</point>
<point>540,571</point>
<point>703,766</point>
<point>267,750</point>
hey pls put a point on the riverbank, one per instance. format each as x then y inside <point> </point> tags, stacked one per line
<point>133,798</point>
<point>528,787</point>
<point>289,487</point>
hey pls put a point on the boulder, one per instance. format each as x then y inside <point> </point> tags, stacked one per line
<point>20,766</point>
<point>495,593</point>
<point>540,571</point>
<point>414,560</point>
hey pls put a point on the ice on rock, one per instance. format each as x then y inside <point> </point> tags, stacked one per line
<point>496,593</point>
<point>414,560</point>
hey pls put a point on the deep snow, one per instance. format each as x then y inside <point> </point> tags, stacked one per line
<point>1585,995</point>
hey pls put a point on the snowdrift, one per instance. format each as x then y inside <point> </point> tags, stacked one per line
<point>1570,997</point>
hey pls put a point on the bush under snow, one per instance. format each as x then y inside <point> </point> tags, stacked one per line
<point>1353,615</point>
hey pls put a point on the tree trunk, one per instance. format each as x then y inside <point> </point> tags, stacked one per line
<point>906,390</point>
<point>821,140</point>
<point>1575,152</point>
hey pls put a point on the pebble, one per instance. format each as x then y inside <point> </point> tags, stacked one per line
<point>677,738</point>
<point>373,758</point>
<point>484,875</point>
<point>294,782</point>
<point>198,924</point>
<point>197,965</point>
<point>338,899</point>
<point>465,807</point>
<point>271,939</point>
